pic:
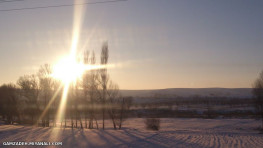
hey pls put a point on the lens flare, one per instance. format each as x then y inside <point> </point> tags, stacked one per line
<point>61,110</point>
<point>67,70</point>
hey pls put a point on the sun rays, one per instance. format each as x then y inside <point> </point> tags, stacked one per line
<point>69,70</point>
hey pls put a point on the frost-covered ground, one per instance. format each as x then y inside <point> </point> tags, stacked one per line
<point>173,133</point>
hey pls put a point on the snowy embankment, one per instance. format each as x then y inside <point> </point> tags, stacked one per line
<point>173,133</point>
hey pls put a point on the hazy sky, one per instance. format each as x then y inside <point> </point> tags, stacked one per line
<point>154,43</point>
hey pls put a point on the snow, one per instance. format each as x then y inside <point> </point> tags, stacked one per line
<point>177,132</point>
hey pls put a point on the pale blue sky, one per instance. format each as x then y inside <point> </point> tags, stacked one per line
<point>155,43</point>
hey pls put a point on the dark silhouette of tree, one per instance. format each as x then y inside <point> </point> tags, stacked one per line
<point>90,95</point>
<point>258,95</point>
<point>2,103</point>
<point>85,82</point>
<point>92,90</point>
<point>9,103</point>
<point>113,103</point>
<point>46,84</point>
<point>126,103</point>
<point>104,77</point>
<point>57,93</point>
<point>77,99</point>
<point>71,104</point>
<point>117,106</point>
<point>30,90</point>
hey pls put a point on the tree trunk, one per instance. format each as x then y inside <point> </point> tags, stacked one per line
<point>97,124</point>
<point>32,119</point>
<point>103,111</point>
<point>81,126</point>
<point>76,117</point>
<point>72,122</point>
<point>122,110</point>
<point>85,116</point>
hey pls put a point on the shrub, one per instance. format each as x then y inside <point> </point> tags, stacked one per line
<point>152,123</point>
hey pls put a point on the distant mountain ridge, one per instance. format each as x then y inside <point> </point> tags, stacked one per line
<point>189,92</point>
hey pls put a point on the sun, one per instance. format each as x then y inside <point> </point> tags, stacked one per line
<point>68,70</point>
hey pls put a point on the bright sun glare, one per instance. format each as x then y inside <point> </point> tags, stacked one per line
<point>68,70</point>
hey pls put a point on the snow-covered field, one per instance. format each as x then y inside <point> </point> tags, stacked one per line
<point>173,133</point>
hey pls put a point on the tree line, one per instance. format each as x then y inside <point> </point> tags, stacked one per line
<point>35,98</point>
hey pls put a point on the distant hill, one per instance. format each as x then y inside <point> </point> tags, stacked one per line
<point>189,92</point>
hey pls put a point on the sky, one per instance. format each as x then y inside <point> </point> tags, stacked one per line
<point>154,44</point>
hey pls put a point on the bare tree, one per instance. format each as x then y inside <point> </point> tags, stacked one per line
<point>71,104</point>
<point>126,103</point>
<point>46,84</point>
<point>90,88</point>
<point>9,98</point>
<point>56,95</point>
<point>113,106</point>
<point>76,104</point>
<point>30,90</point>
<point>258,95</point>
<point>104,78</point>
<point>85,82</point>
<point>117,106</point>
<point>93,87</point>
